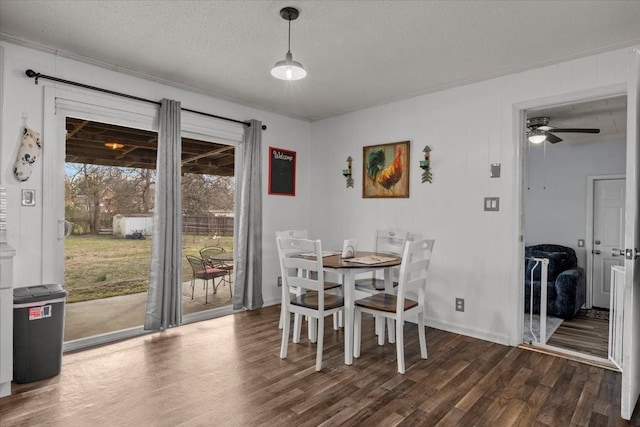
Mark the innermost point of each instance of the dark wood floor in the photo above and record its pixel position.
(583, 334)
(227, 372)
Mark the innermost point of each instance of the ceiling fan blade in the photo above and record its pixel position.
(577, 130)
(552, 138)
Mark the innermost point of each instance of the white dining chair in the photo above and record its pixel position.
(298, 234)
(413, 277)
(297, 322)
(387, 242)
(312, 301)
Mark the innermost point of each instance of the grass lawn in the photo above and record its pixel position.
(105, 266)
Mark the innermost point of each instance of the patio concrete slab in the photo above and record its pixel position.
(96, 317)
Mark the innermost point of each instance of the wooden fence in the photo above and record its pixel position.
(202, 225)
(208, 225)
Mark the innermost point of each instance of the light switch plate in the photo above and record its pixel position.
(492, 204)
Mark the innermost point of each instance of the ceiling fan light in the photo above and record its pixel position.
(537, 136)
(288, 69)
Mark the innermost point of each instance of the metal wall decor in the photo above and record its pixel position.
(425, 165)
(347, 173)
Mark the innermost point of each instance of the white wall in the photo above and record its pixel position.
(555, 198)
(21, 95)
(477, 254)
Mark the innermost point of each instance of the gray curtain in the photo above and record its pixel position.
(247, 292)
(164, 301)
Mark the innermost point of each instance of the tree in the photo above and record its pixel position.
(87, 185)
(95, 189)
(203, 194)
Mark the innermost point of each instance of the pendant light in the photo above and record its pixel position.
(288, 69)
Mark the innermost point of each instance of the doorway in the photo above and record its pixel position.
(110, 177)
(558, 173)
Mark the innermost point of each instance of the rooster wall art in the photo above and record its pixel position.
(386, 170)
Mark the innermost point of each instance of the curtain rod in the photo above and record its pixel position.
(32, 74)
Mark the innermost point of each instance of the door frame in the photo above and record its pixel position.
(519, 113)
(58, 104)
(588, 244)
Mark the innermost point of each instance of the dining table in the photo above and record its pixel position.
(348, 268)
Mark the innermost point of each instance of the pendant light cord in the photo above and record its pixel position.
(289, 46)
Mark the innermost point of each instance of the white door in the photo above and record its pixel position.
(608, 234)
(631, 333)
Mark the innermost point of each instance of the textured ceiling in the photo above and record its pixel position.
(358, 54)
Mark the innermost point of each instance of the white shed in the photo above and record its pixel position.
(124, 225)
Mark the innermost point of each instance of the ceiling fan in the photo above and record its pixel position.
(538, 130)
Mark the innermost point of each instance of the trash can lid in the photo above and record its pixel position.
(38, 293)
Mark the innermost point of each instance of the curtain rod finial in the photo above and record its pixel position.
(31, 73)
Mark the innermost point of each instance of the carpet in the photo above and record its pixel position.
(553, 323)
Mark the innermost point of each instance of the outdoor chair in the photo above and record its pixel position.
(204, 271)
(210, 253)
(213, 255)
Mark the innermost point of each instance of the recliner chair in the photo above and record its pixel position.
(566, 287)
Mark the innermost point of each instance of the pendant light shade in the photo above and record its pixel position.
(288, 69)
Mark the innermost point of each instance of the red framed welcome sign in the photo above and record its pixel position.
(282, 172)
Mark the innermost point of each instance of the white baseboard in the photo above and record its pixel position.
(446, 326)
(467, 331)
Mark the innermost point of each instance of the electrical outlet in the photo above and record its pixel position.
(460, 304)
(279, 281)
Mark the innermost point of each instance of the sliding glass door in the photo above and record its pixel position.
(99, 191)
(208, 206)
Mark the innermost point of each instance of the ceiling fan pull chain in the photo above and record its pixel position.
(544, 165)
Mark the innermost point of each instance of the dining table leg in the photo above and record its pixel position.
(349, 285)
